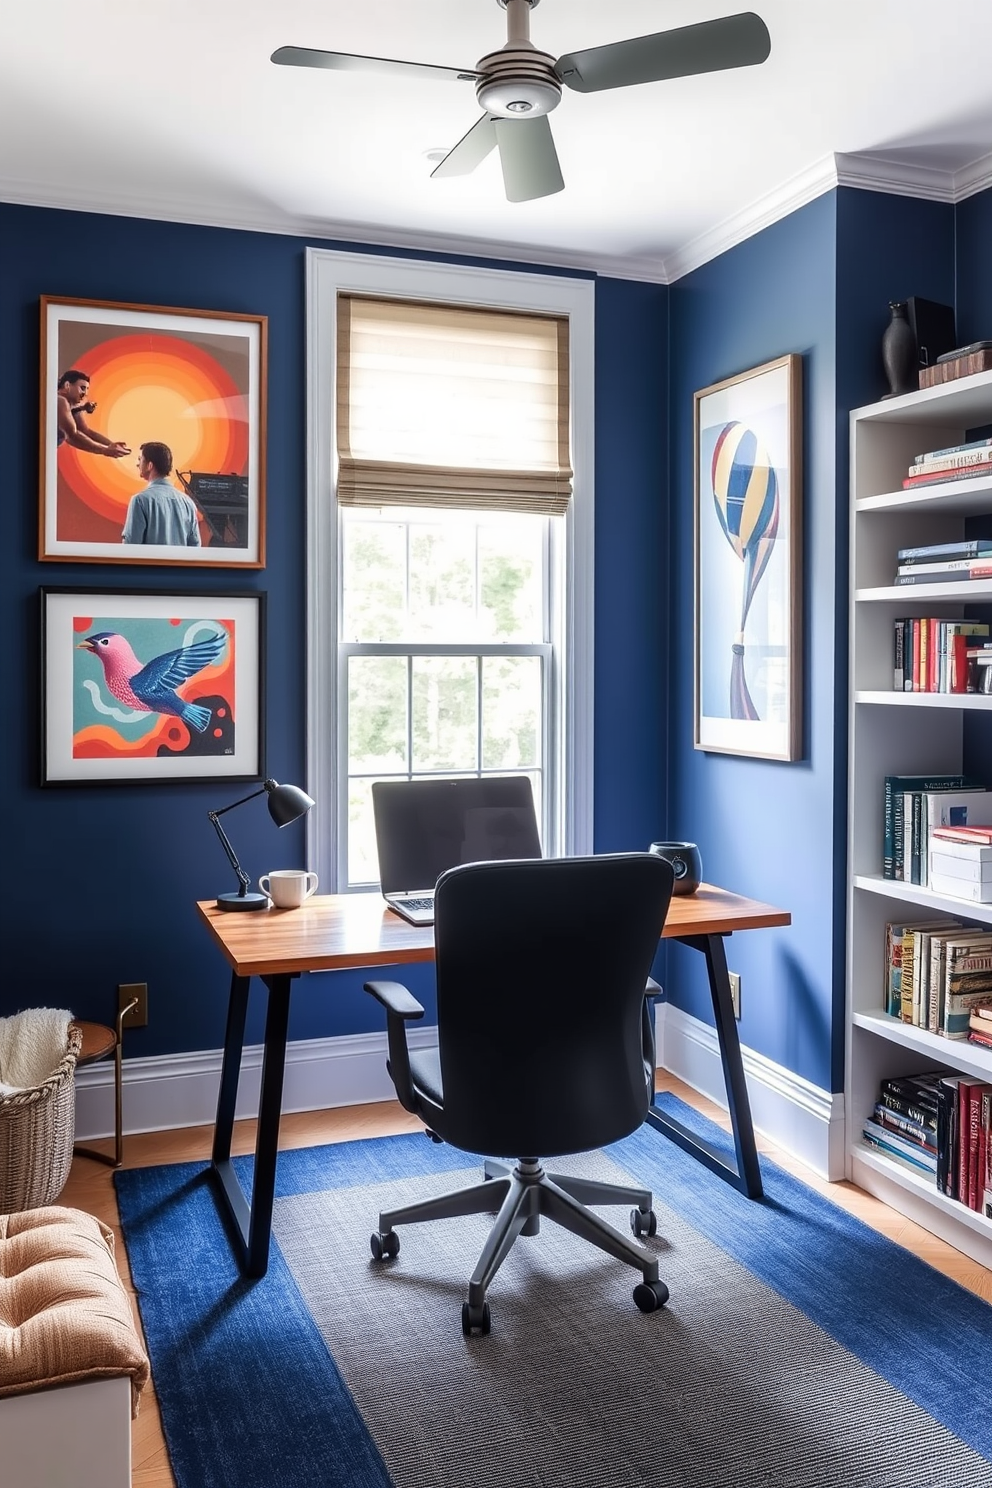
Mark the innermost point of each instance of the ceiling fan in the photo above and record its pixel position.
(518, 86)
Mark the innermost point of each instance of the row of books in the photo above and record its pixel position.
(938, 973)
(913, 807)
(930, 654)
(939, 1124)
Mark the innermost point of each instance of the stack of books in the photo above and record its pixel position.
(914, 805)
(955, 462)
(930, 654)
(980, 1027)
(937, 973)
(939, 1124)
(961, 860)
(966, 559)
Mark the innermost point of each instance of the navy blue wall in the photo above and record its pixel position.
(98, 882)
(765, 829)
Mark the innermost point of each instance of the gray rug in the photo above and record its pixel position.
(729, 1386)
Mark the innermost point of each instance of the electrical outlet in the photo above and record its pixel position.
(735, 992)
(129, 992)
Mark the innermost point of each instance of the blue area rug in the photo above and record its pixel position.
(251, 1393)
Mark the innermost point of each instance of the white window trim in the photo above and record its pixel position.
(329, 273)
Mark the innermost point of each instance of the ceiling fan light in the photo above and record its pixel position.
(504, 97)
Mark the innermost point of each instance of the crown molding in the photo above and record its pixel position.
(973, 178)
(805, 187)
(894, 177)
(240, 218)
(867, 172)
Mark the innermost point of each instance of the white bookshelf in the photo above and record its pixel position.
(886, 739)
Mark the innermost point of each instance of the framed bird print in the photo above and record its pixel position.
(141, 686)
(152, 435)
(748, 562)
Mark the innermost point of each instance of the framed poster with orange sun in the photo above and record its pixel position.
(152, 435)
(147, 685)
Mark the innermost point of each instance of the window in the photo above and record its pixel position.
(448, 633)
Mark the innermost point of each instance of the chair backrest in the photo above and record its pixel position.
(541, 970)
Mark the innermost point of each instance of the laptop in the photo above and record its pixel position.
(423, 827)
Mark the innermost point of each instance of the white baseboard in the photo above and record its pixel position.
(796, 1115)
(176, 1090)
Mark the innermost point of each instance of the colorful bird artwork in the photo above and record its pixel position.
(745, 490)
(152, 687)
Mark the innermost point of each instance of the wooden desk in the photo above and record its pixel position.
(331, 932)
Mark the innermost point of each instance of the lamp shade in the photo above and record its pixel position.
(287, 803)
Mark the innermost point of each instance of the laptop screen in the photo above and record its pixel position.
(423, 827)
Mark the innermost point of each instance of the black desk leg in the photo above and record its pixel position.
(746, 1176)
(234, 1041)
(254, 1221)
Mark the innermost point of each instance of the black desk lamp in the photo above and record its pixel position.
(287, 803)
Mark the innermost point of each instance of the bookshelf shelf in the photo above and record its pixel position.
(907, 893)
(943, 1215)
(964, 497)
(968, 1059)
(977, 702)
(884, 740)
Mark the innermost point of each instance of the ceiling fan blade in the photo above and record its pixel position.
(529, 159)
(710, 46)
(470, 150)
(290, 56)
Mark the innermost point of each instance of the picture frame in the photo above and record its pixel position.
(114, 711)
(747, 444)
(116, 376)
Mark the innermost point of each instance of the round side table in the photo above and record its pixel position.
(98, 1042)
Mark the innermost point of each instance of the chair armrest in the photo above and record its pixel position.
(395, 999)
(401, 1007)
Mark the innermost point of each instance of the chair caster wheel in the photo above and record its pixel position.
(650, 1295)
(643, 1224)
(384, 1246)
(475, 1319)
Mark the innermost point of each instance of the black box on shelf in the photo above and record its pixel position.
(933, 327)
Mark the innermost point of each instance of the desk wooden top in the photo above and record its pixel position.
(333, 931)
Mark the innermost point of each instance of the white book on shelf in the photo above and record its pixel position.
(975, 891)
(975, 870)
(969, 852)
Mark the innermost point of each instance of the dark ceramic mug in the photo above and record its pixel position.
(686, 863)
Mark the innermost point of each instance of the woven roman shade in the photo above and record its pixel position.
(452, 406)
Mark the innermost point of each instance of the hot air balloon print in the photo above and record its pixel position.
(746, 496)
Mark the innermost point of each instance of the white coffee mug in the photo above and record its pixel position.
(288, 887)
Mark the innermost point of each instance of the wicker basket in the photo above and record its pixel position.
(36, 1135)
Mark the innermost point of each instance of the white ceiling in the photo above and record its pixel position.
(172, 109)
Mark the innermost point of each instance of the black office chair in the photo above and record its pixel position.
(545, 1047)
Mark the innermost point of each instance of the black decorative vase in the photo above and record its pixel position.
(899, 356)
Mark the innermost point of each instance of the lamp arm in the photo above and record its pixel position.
(213, 815)
(232, 856)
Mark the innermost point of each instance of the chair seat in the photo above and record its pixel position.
(425, 1069)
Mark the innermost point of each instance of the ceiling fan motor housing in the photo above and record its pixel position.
(517, 82)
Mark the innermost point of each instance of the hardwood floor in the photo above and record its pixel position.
(90, 1187)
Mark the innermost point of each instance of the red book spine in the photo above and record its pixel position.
(963, 1142)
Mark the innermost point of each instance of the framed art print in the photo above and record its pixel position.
(748, 553)
(151, 686)
(152, 435)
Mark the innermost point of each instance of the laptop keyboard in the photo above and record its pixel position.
(425, 903)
